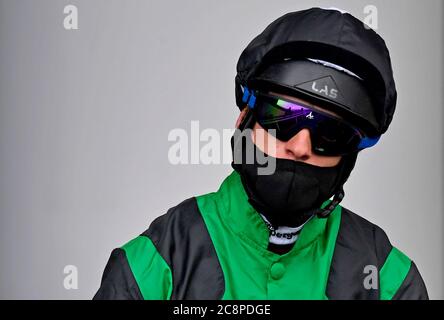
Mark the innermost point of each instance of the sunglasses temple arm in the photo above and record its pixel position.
(368, 142)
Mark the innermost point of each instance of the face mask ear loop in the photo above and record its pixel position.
(324, 213)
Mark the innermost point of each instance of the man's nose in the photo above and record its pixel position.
(299, 146)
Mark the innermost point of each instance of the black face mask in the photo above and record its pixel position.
(293, 192)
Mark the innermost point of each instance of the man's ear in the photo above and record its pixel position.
(241, 116)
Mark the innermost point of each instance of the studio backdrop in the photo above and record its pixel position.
(92, 94)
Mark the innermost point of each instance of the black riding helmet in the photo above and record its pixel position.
(328, 58)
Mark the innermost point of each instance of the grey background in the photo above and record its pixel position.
(85, 116)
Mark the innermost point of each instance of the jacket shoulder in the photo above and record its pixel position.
(135, 271)
(118, 282)
(362, 247)
(364, 236)
(142, 268)
(177, 222)
(182, 239)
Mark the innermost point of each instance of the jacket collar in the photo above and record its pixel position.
(246, 222)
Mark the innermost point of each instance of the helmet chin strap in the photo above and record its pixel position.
(325, 212)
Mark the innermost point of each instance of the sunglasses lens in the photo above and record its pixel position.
(334, 138)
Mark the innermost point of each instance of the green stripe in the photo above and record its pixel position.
(393, 273)
(150, 270)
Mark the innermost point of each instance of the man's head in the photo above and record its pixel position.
(321, 83)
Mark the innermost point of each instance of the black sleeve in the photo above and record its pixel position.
(413, 287)
(118, 282)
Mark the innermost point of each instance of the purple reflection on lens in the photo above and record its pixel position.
(293, 107)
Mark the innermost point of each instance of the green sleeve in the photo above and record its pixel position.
(152, 274)
(399, 278)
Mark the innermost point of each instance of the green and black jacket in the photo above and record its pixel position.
(214, 246)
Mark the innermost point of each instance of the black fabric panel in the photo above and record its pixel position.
(118, 282)
(182, 239)
(359, 243)
(413, 287)
(280, 248)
